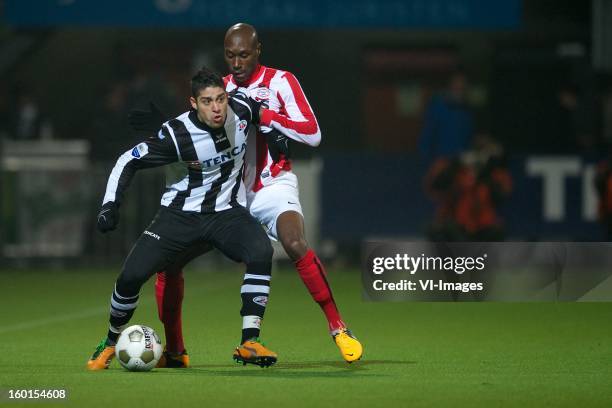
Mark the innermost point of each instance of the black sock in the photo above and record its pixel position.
(250, 333)
(254, 293)
(111, 338)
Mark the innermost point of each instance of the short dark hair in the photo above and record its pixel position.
(205, 78)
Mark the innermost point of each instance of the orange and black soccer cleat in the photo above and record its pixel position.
(101, 358)
(172, 359)
(254, 352)
(350, 348)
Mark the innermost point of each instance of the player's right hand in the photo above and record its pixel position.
(146, 120)
(108, 217)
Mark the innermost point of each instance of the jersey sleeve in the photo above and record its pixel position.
(300, 123)
(154, 152)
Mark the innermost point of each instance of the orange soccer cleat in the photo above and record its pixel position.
(101, 358)
(172, 359)
(254, 352)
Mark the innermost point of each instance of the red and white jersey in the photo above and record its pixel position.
(289, 112)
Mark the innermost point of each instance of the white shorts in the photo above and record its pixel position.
(271, 201)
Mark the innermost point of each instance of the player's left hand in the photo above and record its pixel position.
(278, 145)
(108, 217)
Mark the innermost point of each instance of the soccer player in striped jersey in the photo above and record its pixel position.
(203, 202)
(272, 191)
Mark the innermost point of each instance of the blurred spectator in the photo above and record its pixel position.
(448, 123)
(468, 190)
(5, 115)
(110, 135)
(572, 129)
(603, 186)
(30, 123)
(144, 88)
(607, 116)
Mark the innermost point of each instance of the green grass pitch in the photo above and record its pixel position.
(416, 354)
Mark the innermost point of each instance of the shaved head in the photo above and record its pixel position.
(242, 32)
(242, 50)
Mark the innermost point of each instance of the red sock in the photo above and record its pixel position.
(314, 277)
(169, 294)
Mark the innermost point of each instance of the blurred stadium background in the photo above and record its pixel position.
(528, 83)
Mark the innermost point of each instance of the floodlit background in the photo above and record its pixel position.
(449, 120)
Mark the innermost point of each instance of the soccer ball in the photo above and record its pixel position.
(138, 348)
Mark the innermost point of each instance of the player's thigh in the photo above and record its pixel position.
(160, 244)
(240, 237)
(272, 201)
(189, 254)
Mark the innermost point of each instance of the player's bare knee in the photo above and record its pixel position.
(296, 247)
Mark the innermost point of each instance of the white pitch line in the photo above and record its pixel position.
(63, 318)
(51, 320)
(58, 319)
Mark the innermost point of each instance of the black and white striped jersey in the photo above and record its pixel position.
(206, 164)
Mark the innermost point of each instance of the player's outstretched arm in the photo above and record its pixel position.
(277, 141)
(300, 123)
(154, 152)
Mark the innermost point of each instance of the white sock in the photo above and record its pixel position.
(251, 322)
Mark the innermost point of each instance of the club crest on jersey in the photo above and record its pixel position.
(261, 300)
(140, 150)
(242, 125)
(262, 94)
